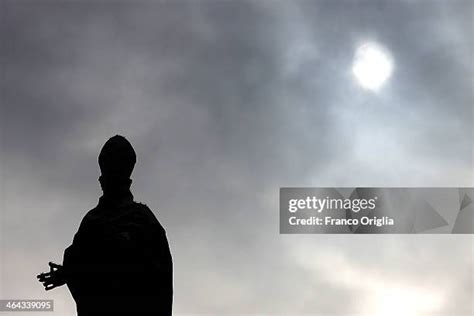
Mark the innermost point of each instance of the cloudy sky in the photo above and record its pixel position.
(225, 102)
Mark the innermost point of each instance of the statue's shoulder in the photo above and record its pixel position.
(90, 215)
(142, 209)
(146, 214)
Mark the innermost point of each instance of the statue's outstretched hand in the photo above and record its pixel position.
(53, 278)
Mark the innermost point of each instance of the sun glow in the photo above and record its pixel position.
(396, 301)
(372, 66)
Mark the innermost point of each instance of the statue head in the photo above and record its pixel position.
(116, 161)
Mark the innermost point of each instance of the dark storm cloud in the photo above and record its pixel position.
(225, 102)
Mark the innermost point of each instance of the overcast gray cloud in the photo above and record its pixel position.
(225, 102)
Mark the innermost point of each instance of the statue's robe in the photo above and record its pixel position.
(119, 262)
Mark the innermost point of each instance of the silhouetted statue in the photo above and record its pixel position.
(119, 262)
